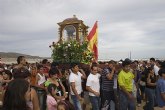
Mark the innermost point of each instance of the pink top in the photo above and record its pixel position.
(30, 104)
(51, 103)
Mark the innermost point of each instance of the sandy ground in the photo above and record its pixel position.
(88, 107)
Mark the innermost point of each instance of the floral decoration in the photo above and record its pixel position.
(71, 51)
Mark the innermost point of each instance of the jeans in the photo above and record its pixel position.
(106, 98)
(125, 103)
(150, 94)
(76, 102)
(138, 96)
(42, 99)
(95, 101)
(116, 92)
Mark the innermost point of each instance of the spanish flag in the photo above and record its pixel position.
(93, 42)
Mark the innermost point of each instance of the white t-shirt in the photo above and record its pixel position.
(115, 81)
(42, 79)
(156, 69)
(94, 83)
(77, 79)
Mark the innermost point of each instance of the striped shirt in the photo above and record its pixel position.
(106, 84)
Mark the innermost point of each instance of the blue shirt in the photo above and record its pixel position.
(160, 89)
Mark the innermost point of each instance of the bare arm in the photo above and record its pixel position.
(151, 84)
(92, 91)
(110, 75)
(83, 74)
(63, 89)
(74, 90)
(37, 79)
(6, 81)
(58, 97)
(149, 81)
(35, 100)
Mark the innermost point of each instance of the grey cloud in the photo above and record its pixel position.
(30, 26)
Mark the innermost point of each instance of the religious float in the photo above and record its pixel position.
(72, 46)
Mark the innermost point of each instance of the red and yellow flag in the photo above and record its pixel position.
(93, 42)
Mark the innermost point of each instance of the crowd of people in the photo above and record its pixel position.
(112, 85)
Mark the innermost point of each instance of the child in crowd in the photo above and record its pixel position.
(51, 101)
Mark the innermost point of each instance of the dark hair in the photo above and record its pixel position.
(126, 62)
(14, 97)
(136, 61)
(161, 71)
(93, 66)
(152, 59)
(19, 59)
(149, 69)
(53, 71)
(72, 65)
(39, 66)
(21, 73)
(8, 73)
(54, 64)
(49, 88)
(94, 63)
(44, 61)
(162, 64)
(111, 62)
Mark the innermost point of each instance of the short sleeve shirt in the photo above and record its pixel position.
(106, 84)
(125, 80)
(160, 89)
(93, 81)
(51, 103)
(76, 78)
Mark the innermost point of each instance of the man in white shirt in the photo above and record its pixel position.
(93, 86)
(75, 85)
(156, 68)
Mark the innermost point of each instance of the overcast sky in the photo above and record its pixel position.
(124, 26)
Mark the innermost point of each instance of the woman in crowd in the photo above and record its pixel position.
(33, 71)
(150, 89)
(16, 95)
(51, 101)
(7, 77)
(53, 78)
(32, 100)
(40, 79)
